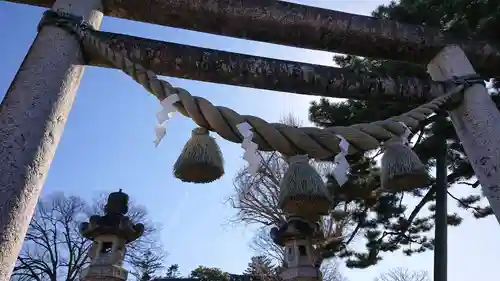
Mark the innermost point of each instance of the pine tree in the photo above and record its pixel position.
(383, 221)
(147, 265)
(173, 271)
(209, 274)
(261, 268)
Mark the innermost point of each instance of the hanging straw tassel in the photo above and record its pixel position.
(201, 159)
(401, 167)
(303, 191)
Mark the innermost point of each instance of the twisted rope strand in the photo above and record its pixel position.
(288, 140)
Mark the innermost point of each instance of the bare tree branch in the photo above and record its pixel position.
(331, 272)
(264, 245)
(403, 274)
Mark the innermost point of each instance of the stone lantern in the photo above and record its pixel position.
(304, 198)
(297, 236)
(110, 234)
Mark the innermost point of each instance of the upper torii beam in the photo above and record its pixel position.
(303, 26)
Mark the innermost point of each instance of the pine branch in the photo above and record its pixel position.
(477, 211)
(402, 232)
(474, 185)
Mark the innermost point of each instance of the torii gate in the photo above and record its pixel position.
(35, 109)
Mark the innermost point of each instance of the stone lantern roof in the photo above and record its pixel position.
(114, 221)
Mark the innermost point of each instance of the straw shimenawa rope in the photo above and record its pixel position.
(288, 140)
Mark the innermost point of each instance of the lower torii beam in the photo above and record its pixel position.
(32, 118)
(476, 122)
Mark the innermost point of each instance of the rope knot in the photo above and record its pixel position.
(199, 131)
(300, 158)
(395, 140)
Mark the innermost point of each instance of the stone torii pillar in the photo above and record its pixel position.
(476, 121)
(32, 118)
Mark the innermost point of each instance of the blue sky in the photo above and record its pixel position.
(107, 145)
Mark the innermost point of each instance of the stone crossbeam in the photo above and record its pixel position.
(189, 62)
(302, 26)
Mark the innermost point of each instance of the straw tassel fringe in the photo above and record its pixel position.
(201, 159)
(401, 168)
(302, 190)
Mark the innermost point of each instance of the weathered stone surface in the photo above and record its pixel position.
(104, 272)
(210, 65)
(302, 26)
(476, 123)
(32, 118)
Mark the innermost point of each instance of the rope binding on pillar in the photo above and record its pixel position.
(66, 21)
(393, 133)
(465, 81)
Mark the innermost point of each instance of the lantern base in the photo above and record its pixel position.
(104, 273)
(301, 273)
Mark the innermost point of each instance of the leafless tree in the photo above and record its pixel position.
(53, 249)
(331, 271)
(264, 245)
(256, 201)
(404, 274)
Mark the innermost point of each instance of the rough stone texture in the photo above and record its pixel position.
(32, 118)
(210, 65)
(104, 273)
(476, 122)
(303, 26)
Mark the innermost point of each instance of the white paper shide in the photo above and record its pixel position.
(341, 164)
(250, 154)
(163, 116)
